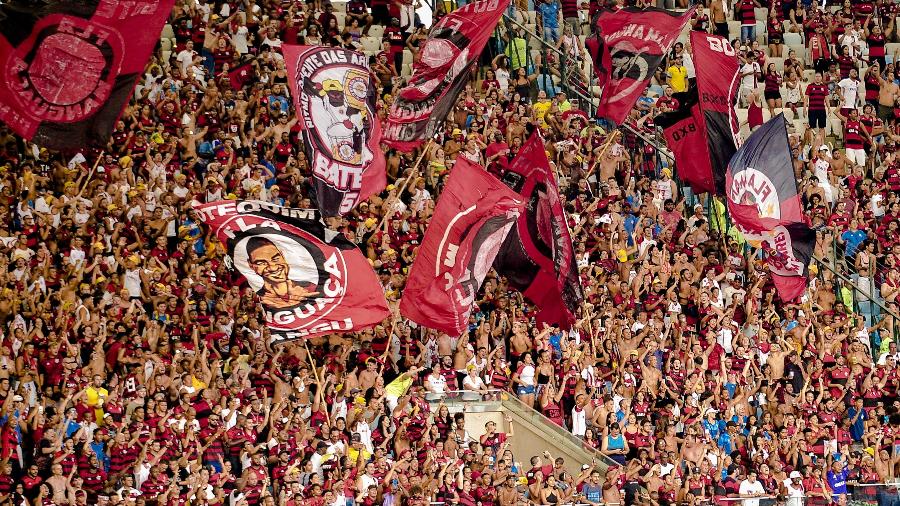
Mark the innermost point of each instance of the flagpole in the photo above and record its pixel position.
(91, 173)
(319, 393)
(603, 151)
(414, 171)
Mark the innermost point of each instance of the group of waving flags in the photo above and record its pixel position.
(756, 179)
(70, 72)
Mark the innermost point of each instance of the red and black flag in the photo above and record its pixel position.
(788, 251)
(471, 220)
(764, 204)
(448, 57)
(67, 69)
(760, 185)
(717, 85)
(701, 132)
(629, 45)
(310, 280)
(685, 133)
(241, 75)
(538, 258)
(335, 94)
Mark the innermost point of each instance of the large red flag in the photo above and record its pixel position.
(629, 46)
(334, 94)
(538, 258)
(717, 84)
(68, 68)
(471, 220)
(310, 280)
(448, 57)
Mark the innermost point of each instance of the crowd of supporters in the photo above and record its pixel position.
(135, 366)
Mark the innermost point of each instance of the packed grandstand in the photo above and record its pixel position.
(149, 351)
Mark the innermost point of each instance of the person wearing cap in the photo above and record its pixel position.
(795, 490)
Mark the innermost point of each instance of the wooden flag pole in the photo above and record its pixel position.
(319, 391)
(91, 173)
(413, 172)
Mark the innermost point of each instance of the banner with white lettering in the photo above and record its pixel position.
(471, 220)
(67, 69)
(448, 57)
(310, 280)
(335, 94)
(629, 45)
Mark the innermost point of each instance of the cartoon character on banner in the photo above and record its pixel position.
(340, 113)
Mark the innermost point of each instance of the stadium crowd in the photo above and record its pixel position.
(135, 367)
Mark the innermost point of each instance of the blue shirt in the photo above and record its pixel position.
(724, 442)
(853, 238)
(837, 481)
(550, 14)
(592, 492)
(858, 427)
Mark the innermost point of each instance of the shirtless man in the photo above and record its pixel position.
(720, 23)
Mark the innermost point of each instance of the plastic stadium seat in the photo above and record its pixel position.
(794, 39)
(407, 57)
(779, 64)
(761, 14)
(370, 44)
(166, 44)
(166, 55)
(890, 48)
(340, 18)
(376, 31)
(339, 6)
(167, 32)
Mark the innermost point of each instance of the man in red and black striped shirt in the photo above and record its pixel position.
(855, 137)
(816, 103)
(570, 15)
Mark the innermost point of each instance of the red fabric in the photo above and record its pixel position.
(470, 223)
(68, 77)
(538, 258)
(341, 130)
(448, 56)
(333, 286)
(629, 35)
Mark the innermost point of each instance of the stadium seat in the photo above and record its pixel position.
(166, 44)
(794, 39)
(376, 31)
(167, 32)
(407, 57)
(370, 44)
(339, 7)
(340, 18)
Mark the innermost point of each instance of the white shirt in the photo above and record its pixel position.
(849, 92)
(579, 424)
(751, 488)
(749, 81)
(436, 383)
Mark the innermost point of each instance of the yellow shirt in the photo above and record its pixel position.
(677, 78)
(540, 110)
(399, 386)
(93, 400)
(353, 454)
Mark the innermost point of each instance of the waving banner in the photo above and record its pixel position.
(68, 68)
(762, 196)
(471, 220)
(759, 184)
(448, 57)
(310, 280)
(788, 250)
(685, 133)
(538, 258)
(334, 94)
(717, 85)
(629, 46)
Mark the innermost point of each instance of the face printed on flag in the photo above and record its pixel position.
(309, 280)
